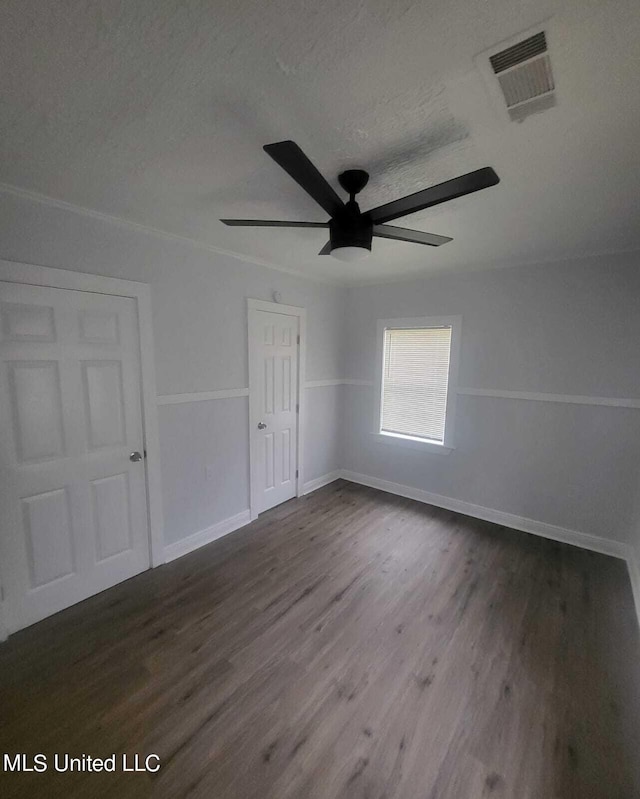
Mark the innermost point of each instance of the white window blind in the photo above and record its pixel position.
(414, 382)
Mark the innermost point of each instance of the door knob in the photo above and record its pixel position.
(135, 457)
(261, 425)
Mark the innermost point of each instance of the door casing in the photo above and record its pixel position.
(30, 274)
(301, 313)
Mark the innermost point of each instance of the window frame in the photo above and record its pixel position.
(412, 323)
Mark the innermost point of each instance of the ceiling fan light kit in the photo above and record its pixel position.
(350, 230)
(350, 254)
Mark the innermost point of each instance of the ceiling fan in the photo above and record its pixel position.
(350, 229)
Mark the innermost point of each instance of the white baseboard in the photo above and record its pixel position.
(616, 549)
(4, 633)
(319, 482)
(206, 536)
(633, 562)
(226, 526)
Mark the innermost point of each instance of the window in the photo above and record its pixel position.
(416, 391)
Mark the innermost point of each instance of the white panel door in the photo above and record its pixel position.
(73, 507)
(273, 348)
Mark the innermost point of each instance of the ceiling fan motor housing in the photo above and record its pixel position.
(349, 230)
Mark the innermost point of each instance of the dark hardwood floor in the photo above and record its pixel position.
(348, 644)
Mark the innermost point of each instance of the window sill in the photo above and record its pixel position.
(412, 443)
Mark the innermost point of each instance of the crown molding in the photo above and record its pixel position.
(52, 202)
(459, 269)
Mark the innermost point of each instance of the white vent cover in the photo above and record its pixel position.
(525, 77)
(517, 72)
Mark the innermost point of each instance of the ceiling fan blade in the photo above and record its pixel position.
(270, 223)
(442, 193)
(414, 236)
(290, 157)
(326, 250)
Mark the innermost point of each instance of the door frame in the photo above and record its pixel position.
(301, 313)
(50, 277)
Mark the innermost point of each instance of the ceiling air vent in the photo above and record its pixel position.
(525, 77)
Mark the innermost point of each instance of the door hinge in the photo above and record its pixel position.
(2, 593)
(297, 473)
(298, 338)
(297, 408)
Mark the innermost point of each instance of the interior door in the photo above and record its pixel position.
(73, 507)
(273, 388)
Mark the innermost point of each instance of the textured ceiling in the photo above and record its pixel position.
(155, 111)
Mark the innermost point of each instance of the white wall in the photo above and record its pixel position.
(571, 329)
(199, 316)
(563, 328)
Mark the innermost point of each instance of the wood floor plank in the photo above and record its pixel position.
(346, 644)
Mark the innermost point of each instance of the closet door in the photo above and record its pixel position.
(73, 507)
